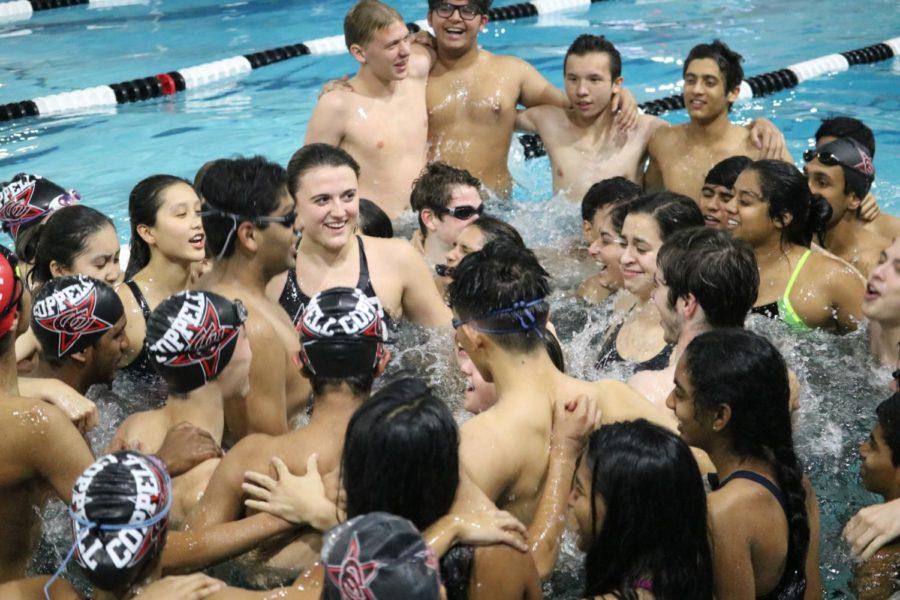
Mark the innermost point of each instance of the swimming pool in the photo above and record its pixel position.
(104, 154)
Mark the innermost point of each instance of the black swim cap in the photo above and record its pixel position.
(854, 160)
(341, 334)
(27, 199)
(71, 313)
(120, 516)
(191, 337)
(379, 556)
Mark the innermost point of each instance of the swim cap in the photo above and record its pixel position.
(379, 556)
(71, 313)
(27, 199)
(191, 337)
(120, 516)
(10, 289)
(341, 334)
(859, 172)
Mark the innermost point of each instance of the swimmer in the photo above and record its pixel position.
(472, 239)
(373, 221)
(639, 338)
(773, 210)
(842, 172)
(324, 180)
(605, 245)
(167, 241)
(705, 280)
(718, 190)
(446, 200)
(197, 342)
(731, 400)
(473, 94)
(876, 578)
(379, 116)
(680, 156)
(881, 306)
(343, 352)
(661, 552)
(250, 223)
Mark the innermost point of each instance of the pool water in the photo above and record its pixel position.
(103, 154)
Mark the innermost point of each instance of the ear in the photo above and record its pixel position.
(588, 231)
(853, 202)
(57, 270)
(733, 95)
(722, 417)
(428, 19)
(785, 220)
(691, 306)
(84, 356)
(246, 236)
(382, 363)
(617, 84)
(358, 53)
(146, 234)
(428, 218)
(484, 22)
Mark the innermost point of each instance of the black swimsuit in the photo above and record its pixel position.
(294, 300)
(770, 310)
(610, 354)
(141, 363)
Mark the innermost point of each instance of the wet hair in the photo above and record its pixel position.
(671, 212)
(401, 454)
(786, 190)
(494, 229)
(888, 414)
(63, 237)
(144, 202)
(619, 213)
(726, 172)
(847, 127)
(249, 187)
(498, 278)
(719, 270)
(728, 60)
(432, 189)
(312, 156)
(365, 19)
(484, 5)
(641, 464)
(587, 43)
(612, 191)
(555, 351)
(745, 371)
(373, 221)
(201, 173)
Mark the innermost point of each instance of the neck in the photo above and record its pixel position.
(713, 131)
(135, 591)
(315, 253)
(435, 250)
(601, 123)
(727, 462)
(371, 85)
(451, 59)
(336, 405)
(9, 378)
(513, 372)
(844, 234)
(770, 253)
(69, 373)
(689, 331)
(240, 270)
(884, 339)
(166, 276)
(894, 492)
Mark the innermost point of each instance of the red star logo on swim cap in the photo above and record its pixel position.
(352, 577)
(17, 208)
(206, 344)
(865, 165)
(75, 321)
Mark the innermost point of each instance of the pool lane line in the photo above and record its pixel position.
(22, 10)
(761, 85)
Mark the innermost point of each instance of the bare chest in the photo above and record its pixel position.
(476, 96)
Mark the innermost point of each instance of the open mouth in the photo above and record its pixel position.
(337, 226)
(198, 240)
(871, 293)
(470, 385)
(584, 105)
(454, 32)
(732, 223)
(697, 104)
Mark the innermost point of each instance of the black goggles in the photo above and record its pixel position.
(462, 212)
(826, 158)
(467, 12)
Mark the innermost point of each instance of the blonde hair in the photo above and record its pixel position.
(365, 18)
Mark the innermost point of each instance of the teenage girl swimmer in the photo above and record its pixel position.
(639, 338)
(167, 244)
(731, 400)
(773, 210)
(663, 550)
(472, 239)
(881, 305)
(323, 181)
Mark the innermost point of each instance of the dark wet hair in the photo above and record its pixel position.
(249, 187)
(401, 454)
(494, 229)
(719, 270)
(612, 191)
(432, 189)
(726, 172)
(619, 213)
(201, 173)
(484, 5)
(63, 237)
(312, 156)
(745, 371)
(641, 464)
(671, 212)
(143, 203)
(847, 127)
(786, 190)
(728, 60)
(373, 221)
(499, 277)
(587, 43)
(888, 413)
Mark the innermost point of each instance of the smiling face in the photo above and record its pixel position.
(589, 84)
(327, 205)
(705, 96)
(882, 299)
(99, 258)
(178, 232)
(607, 250)
(455, 34)
(669, 317)
(470, 240)
(387, 53)
(693, 427)
(446, 227)
(713, 201)
(278, 241)
(479, 394)
(749, 211)
(638, 261)
(580, 505)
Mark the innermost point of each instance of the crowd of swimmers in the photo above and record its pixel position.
(258, 293)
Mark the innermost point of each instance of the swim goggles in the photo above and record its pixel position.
(521, 311)
(467, 12)
(209, 210)
(461, 212)
(826, 158)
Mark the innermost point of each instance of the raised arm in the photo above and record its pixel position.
(525, 120)
(421, 301)
(535, 90)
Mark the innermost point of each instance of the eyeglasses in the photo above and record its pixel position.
(462, 212)
(467, 12)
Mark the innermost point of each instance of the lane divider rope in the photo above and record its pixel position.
(22, 10)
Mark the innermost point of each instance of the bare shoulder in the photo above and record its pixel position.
(832, 271)
(502, 572)
(250, 450)
(337, 102)
(421, 60)
(663, 136)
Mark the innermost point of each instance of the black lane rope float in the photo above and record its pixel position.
(21, 10)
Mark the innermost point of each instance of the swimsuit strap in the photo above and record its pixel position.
(139, 296)
(763, 481)
(788, 314)
(364, 283)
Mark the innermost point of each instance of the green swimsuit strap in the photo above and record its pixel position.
(785, 308)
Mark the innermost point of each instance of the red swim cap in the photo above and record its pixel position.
(10, 289)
